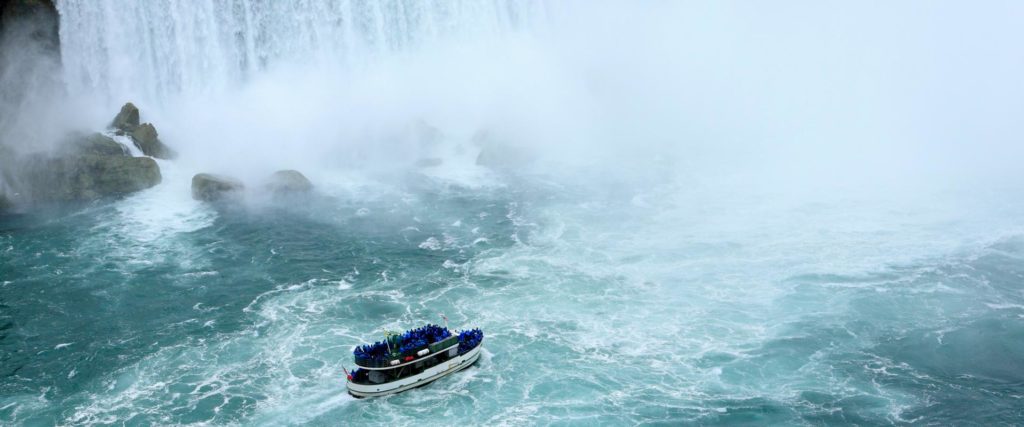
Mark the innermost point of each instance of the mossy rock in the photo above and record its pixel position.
(211, 188)
(146, 138)
(289, 182)
(88, 177)
(95, 144)
(127, 119)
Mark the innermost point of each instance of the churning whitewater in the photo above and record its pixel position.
(660, 214)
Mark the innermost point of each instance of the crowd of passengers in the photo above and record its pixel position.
(405, 344)
(468, 340)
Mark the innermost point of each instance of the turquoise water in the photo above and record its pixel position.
(666, 306)
(686, 214)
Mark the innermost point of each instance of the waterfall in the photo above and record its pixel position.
(124, 49)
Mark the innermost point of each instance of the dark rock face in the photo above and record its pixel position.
(30, 72)
(289, 181)
(147, 140)
(128, 119)
(39, 15)
(212, 188)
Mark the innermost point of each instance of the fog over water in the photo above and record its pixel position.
(795, 90)
(659, 212)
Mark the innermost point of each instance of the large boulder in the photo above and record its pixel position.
(128, 119)
(289, 182)
(429, 162)
(146, 138)
(83, 168)
(94, 144)
(210, 188)
(87, 177)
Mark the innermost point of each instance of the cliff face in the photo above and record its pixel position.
(29, 84)
(39, 19)
(29, 54)
(30, 72)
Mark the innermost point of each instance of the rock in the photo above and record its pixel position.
(498, 154)
(87, 177)
(427, 135)
(95, 144)
(84, 168)
(145, 137)
(211, 188)
(430, 162)
(5, 203)
(128, 119)
(289, 181)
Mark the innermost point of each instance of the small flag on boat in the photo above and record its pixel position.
(445, 320)
(347, 374)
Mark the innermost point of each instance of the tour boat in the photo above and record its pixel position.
(412, 359)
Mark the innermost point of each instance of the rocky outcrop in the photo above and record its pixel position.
(95, 144)
(212, 188)
(84, 168)
(127, 119)
(144, 135)
(87, 177)
(289, 182)
(146, 138)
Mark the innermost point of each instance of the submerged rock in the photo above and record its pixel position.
(211, 188)
(289, 181)
(146, 138)
(128, 119)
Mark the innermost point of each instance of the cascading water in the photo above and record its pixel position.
(723, 213)
(157, 49)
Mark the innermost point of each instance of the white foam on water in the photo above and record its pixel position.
(146, 226)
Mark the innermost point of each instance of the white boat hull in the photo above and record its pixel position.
(450, 366)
